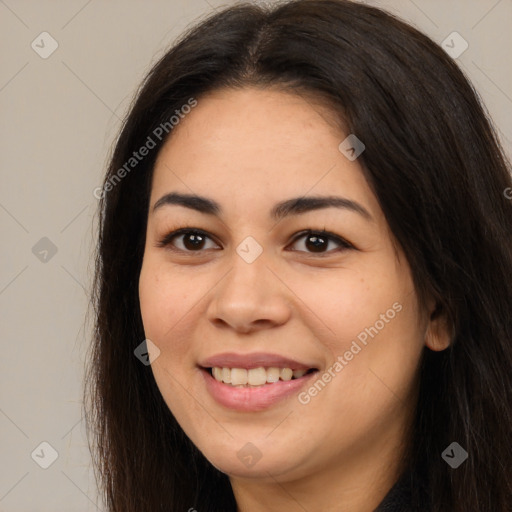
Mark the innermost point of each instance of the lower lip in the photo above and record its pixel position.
(253, 399)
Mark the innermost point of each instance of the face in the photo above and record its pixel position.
(255, 290)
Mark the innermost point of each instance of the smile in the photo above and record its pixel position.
(255, 389)
(255, 377)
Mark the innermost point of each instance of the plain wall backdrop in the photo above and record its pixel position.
(60, 114)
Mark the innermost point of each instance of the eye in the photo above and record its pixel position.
(193, 240)
(318, 241)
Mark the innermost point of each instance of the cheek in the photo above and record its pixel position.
(150, 299)
(397, 348)
(162, 299)
(373, 323)
(376, 378)
(344, 307)
(382, 356)
(169, 306)
(164, 305)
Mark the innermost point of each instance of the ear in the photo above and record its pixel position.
(440, 333)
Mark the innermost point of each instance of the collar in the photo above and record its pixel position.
(399, 498)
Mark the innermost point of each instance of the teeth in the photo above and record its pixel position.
(238, 376)
(257, 376)
(286, 374)
(298, 373)
(226, 375)
(273, 374)
(241, 377)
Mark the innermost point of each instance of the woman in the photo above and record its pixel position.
(302, 288)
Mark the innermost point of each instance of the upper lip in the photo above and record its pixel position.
(253, 360)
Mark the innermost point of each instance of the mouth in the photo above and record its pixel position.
(254, 389)
(256, 377)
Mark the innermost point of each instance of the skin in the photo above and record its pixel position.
(248, 149)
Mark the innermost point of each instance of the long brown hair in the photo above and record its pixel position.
(436, 167)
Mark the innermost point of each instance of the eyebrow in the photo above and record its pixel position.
(294, 206)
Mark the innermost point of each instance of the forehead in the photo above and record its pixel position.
(264, 145)
(256, 121)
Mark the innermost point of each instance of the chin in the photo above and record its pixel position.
(248, 461)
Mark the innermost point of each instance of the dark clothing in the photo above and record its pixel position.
(399, 498)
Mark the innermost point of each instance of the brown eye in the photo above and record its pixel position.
(318, 242)
(188, 240)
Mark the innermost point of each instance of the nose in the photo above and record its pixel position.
(250, 297)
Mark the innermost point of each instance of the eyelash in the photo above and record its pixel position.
(166, 241)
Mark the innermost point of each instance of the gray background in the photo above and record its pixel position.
(59, 118)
